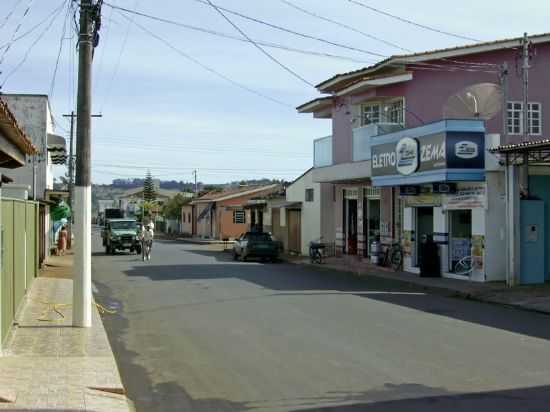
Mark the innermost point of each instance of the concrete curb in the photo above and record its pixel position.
(430, 288)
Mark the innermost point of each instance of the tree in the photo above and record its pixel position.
(145, 210)
(149, 192)
(172, 208)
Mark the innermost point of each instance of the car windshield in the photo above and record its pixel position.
(259, 237)
(123, 225)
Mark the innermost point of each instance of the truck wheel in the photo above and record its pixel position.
(107, 250)
(138, 250)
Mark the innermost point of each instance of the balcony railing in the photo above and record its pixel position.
(322, 152)
(362, 138)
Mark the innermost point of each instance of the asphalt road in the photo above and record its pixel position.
(196, 331)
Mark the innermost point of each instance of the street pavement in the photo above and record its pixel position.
(196, 331)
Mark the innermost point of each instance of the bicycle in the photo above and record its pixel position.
(393, 256)
(316, 251)
(464, 266)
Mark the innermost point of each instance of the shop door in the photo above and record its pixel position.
(294, 231)
(351, 227)
(424, 227)
(460, 236)
(374, 220)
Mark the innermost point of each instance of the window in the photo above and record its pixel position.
(189, 217)
(394, 112)
(239, 217)
(310, 195)
(515, 118)
(389, 112)
(183, 218)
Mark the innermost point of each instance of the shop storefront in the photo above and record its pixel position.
(440, 172)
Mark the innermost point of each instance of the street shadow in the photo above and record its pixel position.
(533, 399)
(146, 395)
(295, 279)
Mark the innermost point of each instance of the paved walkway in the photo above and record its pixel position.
(49, 365)
(535, 298)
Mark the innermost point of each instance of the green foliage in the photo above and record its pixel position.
(172, 208)
(145, 210)
(149, 193)
(60, 211)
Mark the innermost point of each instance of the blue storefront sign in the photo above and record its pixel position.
(445, 151)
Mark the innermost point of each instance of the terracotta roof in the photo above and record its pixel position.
(233, 192)
(429, 55)
(13, 132)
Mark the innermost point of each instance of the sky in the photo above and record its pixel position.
(164, 112)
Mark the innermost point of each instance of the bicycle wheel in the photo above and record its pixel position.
(396, 258)
(464, 266)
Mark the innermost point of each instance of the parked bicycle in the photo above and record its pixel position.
(393, 256)
(316, 251)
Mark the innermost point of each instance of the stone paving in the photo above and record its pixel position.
(48, 365)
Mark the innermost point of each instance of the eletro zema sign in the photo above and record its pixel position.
(406, 156)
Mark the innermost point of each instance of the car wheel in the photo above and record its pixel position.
(235, 256)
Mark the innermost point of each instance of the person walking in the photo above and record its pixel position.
(147, 238)
(62, 240)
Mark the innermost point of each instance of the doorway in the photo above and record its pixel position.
(371, 225)
(350, 223)
(424, 227)
(460, 236)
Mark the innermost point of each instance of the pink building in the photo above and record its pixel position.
(410, 93)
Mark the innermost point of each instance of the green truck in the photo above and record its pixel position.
(121, 234)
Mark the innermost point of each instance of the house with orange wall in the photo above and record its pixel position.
(222, 214)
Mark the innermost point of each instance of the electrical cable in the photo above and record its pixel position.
(237, 38)
(260, 48)
(158, 167)
(345, 26)
(102, 56)
(6, 19)
(60, 50)
(14, 34)
(40, 36)
(404, 20)
(117, 64)
(207, 68)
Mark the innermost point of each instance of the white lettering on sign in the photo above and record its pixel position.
(383, 160)
(432, 152)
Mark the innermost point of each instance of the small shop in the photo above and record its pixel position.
(440, 172)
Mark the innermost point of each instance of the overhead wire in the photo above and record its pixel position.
(160, 167)
(102, 56)
(14, 34)
(237, 38)
(110, 84)
(60, 50)
(208, 68)
(31, 47)
(10, 13)
(260, 48)
(420, 25)
(343, 25)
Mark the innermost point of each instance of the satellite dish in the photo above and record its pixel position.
(479, 101)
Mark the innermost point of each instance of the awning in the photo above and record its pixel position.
(206, 211)
(57, 148)
(536, 151)
(287, 205)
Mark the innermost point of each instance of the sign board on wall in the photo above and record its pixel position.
(467, 196)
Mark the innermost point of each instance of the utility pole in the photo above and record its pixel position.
(82, 285)
(526, 43)
(504, 86)
(72, 115)
(196, 188)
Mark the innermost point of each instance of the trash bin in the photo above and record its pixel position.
(429, 258)
(374, 252)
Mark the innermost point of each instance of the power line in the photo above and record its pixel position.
(40, 36)
(273, 26)
(155, 167)
(102, 57)
(260, 48)
(345, 26)
(12, 39)
(119, 58)
(237, 38)
(61, 41)
(404, 20)
(6, 19)
(207, 68)
(36, 26)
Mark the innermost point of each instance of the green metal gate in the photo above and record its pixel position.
(19, 260)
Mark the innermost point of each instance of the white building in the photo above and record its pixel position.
(33, 113)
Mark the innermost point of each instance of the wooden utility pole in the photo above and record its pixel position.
(525, 71)
(82, 285)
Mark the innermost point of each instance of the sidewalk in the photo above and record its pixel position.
(50, 366)
(533, 298)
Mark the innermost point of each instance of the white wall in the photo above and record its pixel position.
(495, 233)
(311, 211)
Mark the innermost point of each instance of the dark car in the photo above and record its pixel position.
(256, 245)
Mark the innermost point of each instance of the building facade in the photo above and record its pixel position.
(399, 96)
